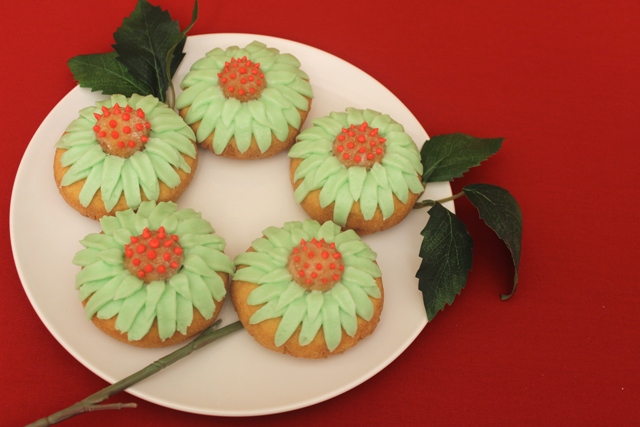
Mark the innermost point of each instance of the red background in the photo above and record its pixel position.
(558, 80)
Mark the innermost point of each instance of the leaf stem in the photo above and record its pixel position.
(92, 403)
(172, 101)
(426, 203)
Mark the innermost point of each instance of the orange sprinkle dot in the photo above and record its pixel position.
(173, 264)
(162, 269)
(131, 144)
(177, 250)
(113, 123)
(166, 256)
(126, 129)
(136, 261)
(114, 134)
(151, 254)
(126, 116)
(141, 248)
(148, 268)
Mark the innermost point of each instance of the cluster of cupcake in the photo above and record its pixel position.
(156, 275)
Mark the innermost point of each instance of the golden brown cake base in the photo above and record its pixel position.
(355, 220)
(152, 339)
(253, 152)
(264, 332)
(96, 209)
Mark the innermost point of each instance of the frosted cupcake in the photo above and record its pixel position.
(154, 277)
(308, 290)
(245, 103)
(358, 169)
(121, 152)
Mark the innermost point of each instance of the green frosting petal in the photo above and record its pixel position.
(166, 309)
(291, 319)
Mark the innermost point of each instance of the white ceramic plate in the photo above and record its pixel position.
(234, 376)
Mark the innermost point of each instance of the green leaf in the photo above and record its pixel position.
(501, 212)
(146, 43)
(446, 253)
(445, 157)
(177, 54)
(103, 72)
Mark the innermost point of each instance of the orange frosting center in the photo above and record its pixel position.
(359, 146)
(316, 265)
(241, 79)
(154, 255)
(121, 131)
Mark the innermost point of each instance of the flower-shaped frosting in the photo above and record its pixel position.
(111, 288)
(244, 93)
(122, 145)
(302, 298)
(357, 156)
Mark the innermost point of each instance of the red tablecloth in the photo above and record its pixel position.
(558, 80)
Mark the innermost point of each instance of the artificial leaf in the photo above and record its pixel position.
(445, 157)
(501, 212)
(177, 54)
(446, 253)
(145, 44)
(103, 72)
